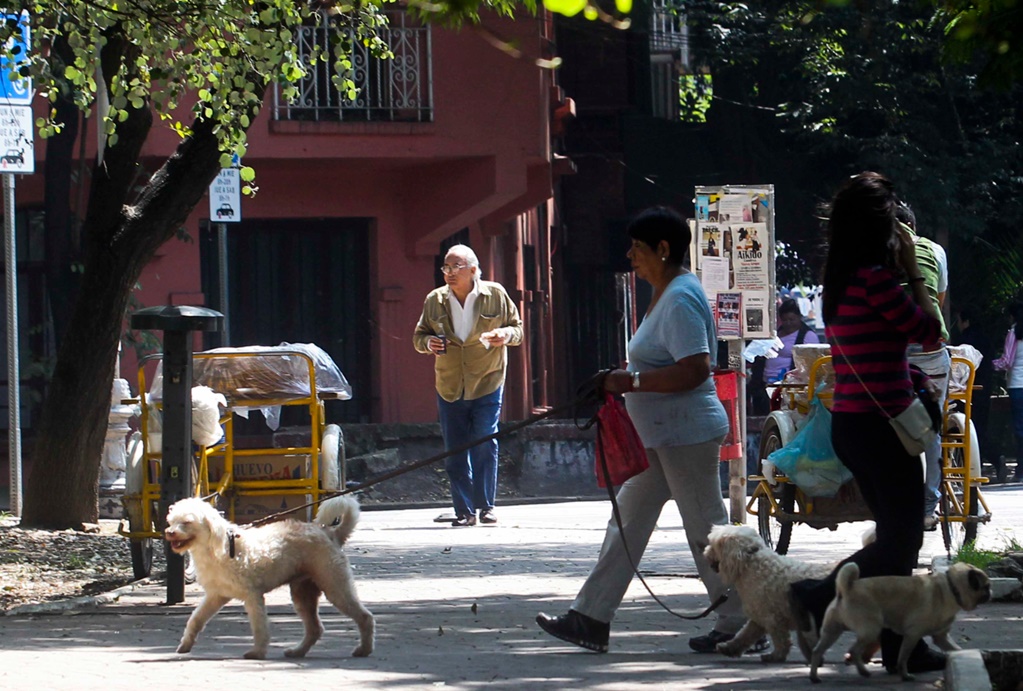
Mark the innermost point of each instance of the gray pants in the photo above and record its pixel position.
(689, 475)
(935, 364)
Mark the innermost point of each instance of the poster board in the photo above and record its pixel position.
(733, 255)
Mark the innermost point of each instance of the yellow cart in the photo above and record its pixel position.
(778, 504)
(246, 483)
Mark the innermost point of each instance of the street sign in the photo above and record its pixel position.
(16, 89)
(17, 154)
(226, 196)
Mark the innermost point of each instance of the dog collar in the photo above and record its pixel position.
(232, 535)
(955, 591)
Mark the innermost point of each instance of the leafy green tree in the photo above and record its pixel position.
(867, 85)
(987, 32)
(202, 69)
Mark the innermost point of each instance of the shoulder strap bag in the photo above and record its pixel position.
(913, 425)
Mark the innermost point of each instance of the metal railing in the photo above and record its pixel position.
(398, 89)
(668, 30)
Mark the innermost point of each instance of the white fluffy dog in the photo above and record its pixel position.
(762, 578)
(233, 562)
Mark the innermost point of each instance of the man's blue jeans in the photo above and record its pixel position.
(473, 473)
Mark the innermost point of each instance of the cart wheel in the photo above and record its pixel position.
(142, 557)
(776, 534)
(189, 568)
(956, 533)
(332, 458)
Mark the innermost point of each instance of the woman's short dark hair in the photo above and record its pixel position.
(861, 232)
(662, 223)
(789, 306)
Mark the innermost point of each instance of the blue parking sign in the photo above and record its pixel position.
(15, 89)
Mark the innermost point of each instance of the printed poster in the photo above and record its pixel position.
(735, 208)
(715, 274)
(756, 319)
(728, 314)
(750, 257)
(710, 240)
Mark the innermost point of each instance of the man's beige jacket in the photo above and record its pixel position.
(469, 369)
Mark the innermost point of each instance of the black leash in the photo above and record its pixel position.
(632, 562)
(598, 383)
(580, 400)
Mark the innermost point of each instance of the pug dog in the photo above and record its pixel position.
(911, 606)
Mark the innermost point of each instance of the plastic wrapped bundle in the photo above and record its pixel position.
(261, 373)
(809, 460)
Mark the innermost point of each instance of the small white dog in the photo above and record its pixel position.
(233, 562)
(911, 606)
(762, 578)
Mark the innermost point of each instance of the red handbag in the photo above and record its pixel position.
(620, 452)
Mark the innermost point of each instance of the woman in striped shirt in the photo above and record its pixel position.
(870, 319)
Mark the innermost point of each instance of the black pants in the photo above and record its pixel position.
(891, 482)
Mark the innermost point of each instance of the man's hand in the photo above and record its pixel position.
(934, 390)
(437, 346)
(490, 339)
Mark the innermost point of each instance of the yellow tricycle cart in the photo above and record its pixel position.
(246, 483)
(778, 504)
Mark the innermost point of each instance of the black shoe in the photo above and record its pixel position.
(487, 516)
(464, 521)
(921, 661)
(578, 629)
(708, 642)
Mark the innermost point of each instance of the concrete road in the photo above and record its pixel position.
(455, 609)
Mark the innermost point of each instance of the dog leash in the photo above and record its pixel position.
(632, 562)
(587, 397)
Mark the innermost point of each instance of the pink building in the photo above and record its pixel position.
(450, 141)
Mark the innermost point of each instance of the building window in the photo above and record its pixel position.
(398, 89)
(669, 57)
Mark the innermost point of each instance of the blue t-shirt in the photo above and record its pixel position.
(680, 325)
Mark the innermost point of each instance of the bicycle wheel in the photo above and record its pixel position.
(953, 497)
(776, 534)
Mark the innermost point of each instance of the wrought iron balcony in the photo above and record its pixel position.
(398, 89)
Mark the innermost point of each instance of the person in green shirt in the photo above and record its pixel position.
(932, 358)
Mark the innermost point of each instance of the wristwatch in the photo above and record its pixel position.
(635, 381)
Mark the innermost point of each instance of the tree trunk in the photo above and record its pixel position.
(63, 490)
(61, 249)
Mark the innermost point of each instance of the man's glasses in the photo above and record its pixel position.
(448, 269)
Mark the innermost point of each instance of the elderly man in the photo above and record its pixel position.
(467, 325)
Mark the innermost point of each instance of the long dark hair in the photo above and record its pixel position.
(861, 232)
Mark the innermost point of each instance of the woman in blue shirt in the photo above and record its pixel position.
(671, 399)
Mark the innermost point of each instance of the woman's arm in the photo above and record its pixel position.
(684, 375)
(1008, 352)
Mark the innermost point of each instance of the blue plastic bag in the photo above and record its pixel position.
(809, 460)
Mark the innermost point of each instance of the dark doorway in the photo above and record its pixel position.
(299, 281)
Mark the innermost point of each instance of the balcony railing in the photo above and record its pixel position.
(398, 89)
(668, 30)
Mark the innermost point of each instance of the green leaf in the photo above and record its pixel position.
(247, 174)
(569, 8)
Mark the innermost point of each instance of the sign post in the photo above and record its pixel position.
(225, 207)
(17, 155)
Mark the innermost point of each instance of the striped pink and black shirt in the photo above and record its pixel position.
(875, 321)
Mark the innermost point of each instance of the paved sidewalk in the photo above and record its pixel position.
(455, 609)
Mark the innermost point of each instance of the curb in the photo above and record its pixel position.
(401, 506)
(965, 671)
(76, 605)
